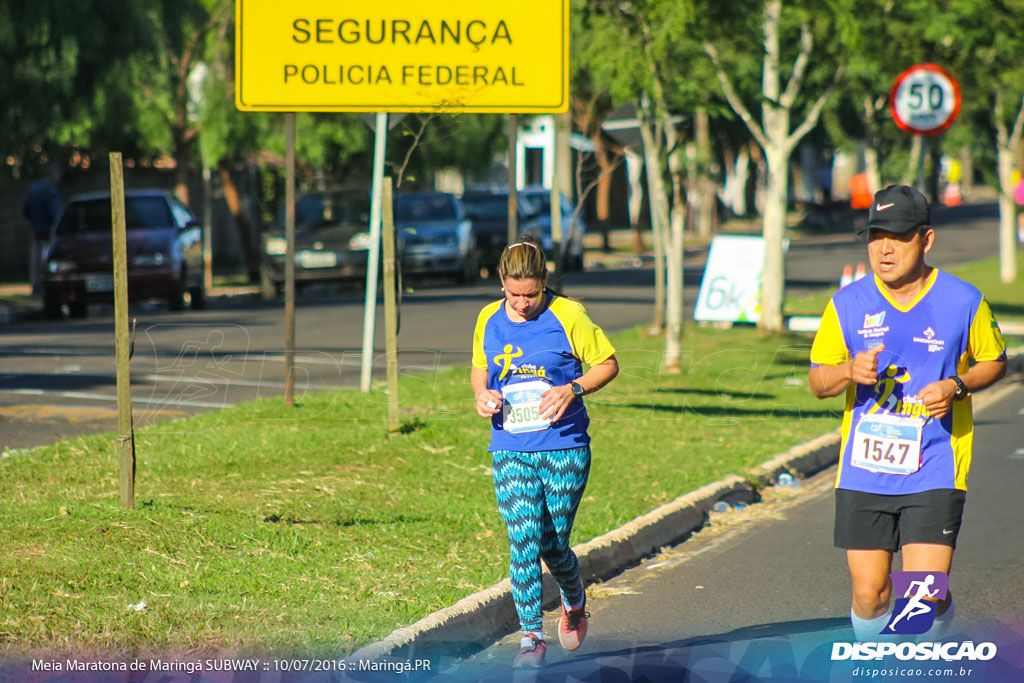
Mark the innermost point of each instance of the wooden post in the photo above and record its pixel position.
(559, 177)
(207, 229)
(390, 312)
(124, 447)
(289, 261)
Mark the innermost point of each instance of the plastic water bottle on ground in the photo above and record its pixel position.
(788, 481)
(720, 506)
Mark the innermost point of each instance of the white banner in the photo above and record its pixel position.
(731, 288)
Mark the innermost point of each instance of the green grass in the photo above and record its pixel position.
(264, 529)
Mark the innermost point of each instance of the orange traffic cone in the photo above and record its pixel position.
(860, 272)
(951, 196)
(847, 276)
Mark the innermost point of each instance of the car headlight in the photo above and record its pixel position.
(56, 266)
(360, 240)
(277, 246)
(158, 258)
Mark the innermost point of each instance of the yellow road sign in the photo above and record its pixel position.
(402, 55)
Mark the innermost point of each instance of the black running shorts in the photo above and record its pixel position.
(871, 521)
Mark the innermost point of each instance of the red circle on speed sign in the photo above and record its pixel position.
(924, 99)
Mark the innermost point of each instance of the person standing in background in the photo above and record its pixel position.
(42, 206)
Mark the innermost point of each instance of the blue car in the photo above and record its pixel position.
(437, 236)
(572, 239)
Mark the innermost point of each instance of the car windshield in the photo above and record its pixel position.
(424, 208)
(489, 206)
(542, 202)
(93, 215)
(320, 210)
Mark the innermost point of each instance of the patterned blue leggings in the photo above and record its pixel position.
(538, 494)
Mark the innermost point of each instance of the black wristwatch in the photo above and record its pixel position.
(961, 388)
(577, 390)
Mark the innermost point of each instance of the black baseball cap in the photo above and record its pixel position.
(896, 209)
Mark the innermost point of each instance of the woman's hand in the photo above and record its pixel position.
(555, 401)
(488, 402)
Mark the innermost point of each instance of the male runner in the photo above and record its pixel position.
(908, 346)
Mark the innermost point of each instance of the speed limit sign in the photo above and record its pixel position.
(924, 100)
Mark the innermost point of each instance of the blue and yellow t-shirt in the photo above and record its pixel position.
(945, 327)
(552, 348)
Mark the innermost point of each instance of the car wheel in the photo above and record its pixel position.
(176, 299)
(52, 310)
(576, 263)
(198, 295)
(78, 309)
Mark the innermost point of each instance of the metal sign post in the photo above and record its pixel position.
(380, 136)
(289, 261)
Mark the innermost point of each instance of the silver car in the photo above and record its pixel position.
(436, 235)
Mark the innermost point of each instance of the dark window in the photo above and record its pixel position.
(490, 206)
(94, 215)
(424, 208)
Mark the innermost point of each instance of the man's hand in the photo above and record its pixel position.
(864, 367)
(937, 397)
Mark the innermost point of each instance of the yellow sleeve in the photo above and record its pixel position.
(985, 340)
(829, 347)
(479, 357)
(588, 341)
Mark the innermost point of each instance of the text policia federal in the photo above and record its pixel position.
(354, 33)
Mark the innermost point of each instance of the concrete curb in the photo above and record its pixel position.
(486, 616)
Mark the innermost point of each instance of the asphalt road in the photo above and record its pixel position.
(761, 594)
(57, 377)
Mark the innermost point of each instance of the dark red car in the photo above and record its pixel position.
(164, 243)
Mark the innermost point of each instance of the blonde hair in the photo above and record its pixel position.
(524, 259)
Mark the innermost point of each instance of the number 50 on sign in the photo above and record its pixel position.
(924, 100)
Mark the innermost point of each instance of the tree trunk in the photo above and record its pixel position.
(871, 165)
(775, 120)
(674, 274)
(658, 199)
(774, 231)
(914, 167)
(234, 203)
(1007, 217)
(737, 174)
(706, 183)
(760, 187)
(1007, 143)
(604, 189)
(871, 169)
(966, 172)
(635, 171)
(674, 300)
(693, 196)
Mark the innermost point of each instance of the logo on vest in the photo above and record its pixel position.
(934, 344)
(874, 325)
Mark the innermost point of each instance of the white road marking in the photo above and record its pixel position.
(81, 395)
